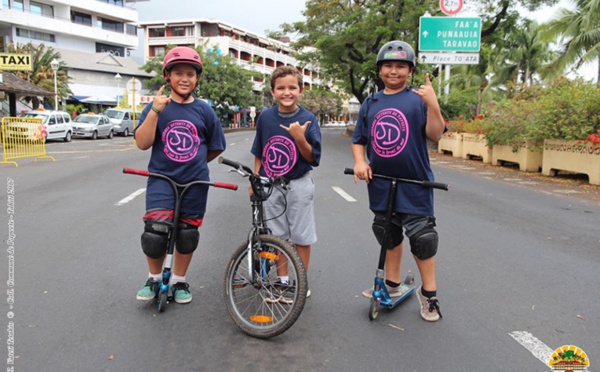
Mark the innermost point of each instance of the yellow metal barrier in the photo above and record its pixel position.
(23, 138)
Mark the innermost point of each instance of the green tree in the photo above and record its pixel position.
(578, 32)
(42, 74)
(345, 35)
(323, 103)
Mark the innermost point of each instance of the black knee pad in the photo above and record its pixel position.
(188, 237)
(395, 236)
(155, 239)
(424, 243)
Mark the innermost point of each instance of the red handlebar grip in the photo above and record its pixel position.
(139, 172)
(230, 186)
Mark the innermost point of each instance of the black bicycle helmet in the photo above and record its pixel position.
(396, 50)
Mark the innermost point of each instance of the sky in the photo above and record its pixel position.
(258, 16)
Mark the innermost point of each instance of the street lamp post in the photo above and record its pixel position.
(54, 65)
(118, 79)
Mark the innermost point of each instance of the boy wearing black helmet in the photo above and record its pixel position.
(392, 128)
(184, 134)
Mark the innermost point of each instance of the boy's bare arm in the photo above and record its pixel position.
(362, 170)
(435, 121)
(298, 132)
(256, 165)
(212, 154)
(145, 134)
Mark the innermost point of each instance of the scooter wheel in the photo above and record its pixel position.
(162, 301)
(373, 309)
(409, 279)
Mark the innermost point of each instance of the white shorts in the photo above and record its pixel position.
(297, 222)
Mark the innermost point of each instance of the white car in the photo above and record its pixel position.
(56, 124)
(92, 126)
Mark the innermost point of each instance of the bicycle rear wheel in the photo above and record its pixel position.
(258, 304)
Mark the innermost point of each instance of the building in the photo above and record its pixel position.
(252, 51)
(94, 37)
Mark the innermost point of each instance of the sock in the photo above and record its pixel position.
(285, 279)
(428, 294)
(389, 283)
(177, 279)
(155, 276)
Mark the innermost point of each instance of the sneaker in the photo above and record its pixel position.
(393, 291)
(430, 307)
(281, 292)
(181, 293)
(308, 293)
(149, 290)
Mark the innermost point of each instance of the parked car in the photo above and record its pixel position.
(55, 125)
(122, 120)
(92, 126)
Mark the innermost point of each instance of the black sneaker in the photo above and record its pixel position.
(181, 293)
(281, 292)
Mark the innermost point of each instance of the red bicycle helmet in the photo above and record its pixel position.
(181, 54)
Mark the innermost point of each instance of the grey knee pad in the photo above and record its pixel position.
(424, 244)
(154, 239)
(395, 236)
(187, 238)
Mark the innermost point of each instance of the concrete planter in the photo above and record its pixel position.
(451, 142)
(529, 160)
(475, 145)
(572, 157)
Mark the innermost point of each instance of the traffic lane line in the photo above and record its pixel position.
(534, 345)
(130, 197)
(343, 194)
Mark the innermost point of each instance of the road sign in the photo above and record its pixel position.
(134, 84)
(15, 62)
(450, 34)
(451, 7)
(448, 58)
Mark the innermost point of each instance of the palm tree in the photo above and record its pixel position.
(42, 74)
(524, 55)
(579, 32)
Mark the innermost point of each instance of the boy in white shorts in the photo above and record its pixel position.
(283, 147)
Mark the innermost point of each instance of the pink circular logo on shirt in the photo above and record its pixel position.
(181, 141)
(279, 156)
(389, 132)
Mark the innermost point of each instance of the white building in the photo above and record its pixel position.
(94, 37)
(252, 51)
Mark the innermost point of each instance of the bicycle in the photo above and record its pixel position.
(381, 296)
(258, 303)
(164, 294)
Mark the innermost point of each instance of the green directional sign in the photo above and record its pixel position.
(450, 34)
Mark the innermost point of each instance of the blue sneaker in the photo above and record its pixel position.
(181, 293)
(149, 290)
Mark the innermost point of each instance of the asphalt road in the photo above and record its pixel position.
(517, 268)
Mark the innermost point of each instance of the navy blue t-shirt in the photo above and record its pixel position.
(394, 136)
(184, 135)
(276, 147)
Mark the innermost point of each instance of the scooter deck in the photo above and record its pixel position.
(395, 301)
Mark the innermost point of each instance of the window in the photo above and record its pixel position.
(107, 24)
(41, 9)
(5, 4)
(18, 5)
(35, 35)
(177, 31)
(131, 29)
(81, 18)
(158, 50)
(156, 32)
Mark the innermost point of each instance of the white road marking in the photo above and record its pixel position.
(130, 197)
(535, 346)
(343, 194)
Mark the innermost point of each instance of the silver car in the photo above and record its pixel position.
(92, 126)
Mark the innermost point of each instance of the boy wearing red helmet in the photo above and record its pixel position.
(184, 134)
(407, 117)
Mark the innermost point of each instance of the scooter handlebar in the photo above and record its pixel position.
(429, 184)
(139, 172)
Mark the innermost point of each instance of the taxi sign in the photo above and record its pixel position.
(15, 62)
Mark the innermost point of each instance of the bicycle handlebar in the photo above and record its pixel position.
(145, 173)
(234, 164)
(429, 184)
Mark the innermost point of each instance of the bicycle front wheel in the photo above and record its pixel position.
(259, 304)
